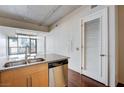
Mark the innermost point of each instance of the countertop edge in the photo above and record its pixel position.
(43, 62)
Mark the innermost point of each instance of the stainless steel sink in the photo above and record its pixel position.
(35, 60)
(23, 62)
(15, 63)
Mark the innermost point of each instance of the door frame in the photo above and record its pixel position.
(102, 12)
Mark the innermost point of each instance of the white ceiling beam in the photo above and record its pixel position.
(20, 24)
(51, 13)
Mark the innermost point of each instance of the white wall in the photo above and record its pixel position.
(65, 38)
(40, 45)
(3, 45)
(113, 56)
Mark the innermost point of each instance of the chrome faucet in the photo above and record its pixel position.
(26, 54)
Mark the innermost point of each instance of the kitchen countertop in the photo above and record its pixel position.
(49, 58)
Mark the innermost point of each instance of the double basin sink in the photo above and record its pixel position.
(23, 62)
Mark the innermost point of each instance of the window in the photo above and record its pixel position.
(12, 45)
(17, 45)
(33, 45)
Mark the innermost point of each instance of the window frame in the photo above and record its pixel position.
(11, 47)
(35, 46)
(22, 47)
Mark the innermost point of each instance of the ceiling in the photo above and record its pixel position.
(43, 15)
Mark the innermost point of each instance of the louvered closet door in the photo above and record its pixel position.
(94, 47)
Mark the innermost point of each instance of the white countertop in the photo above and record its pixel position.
(48, 59)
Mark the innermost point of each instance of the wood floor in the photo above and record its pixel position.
(77, 80)
(120, 85)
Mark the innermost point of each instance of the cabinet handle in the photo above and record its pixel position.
(30, 81)
(27, 82)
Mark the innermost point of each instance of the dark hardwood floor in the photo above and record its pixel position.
(77, 80)
(120, 85)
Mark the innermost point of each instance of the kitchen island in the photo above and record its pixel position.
(35, 74)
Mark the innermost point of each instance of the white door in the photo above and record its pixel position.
(95, 46)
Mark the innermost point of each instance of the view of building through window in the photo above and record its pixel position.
(18, 45)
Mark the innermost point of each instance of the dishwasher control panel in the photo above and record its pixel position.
(58, 63)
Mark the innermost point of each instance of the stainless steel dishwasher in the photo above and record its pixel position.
(58, 74)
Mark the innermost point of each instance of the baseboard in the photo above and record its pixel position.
(75, 70)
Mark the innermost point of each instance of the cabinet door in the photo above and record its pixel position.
(6, 79)
(20, 81)
(20, 77)
(40, 77)
(65, 69)
(13, 78)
